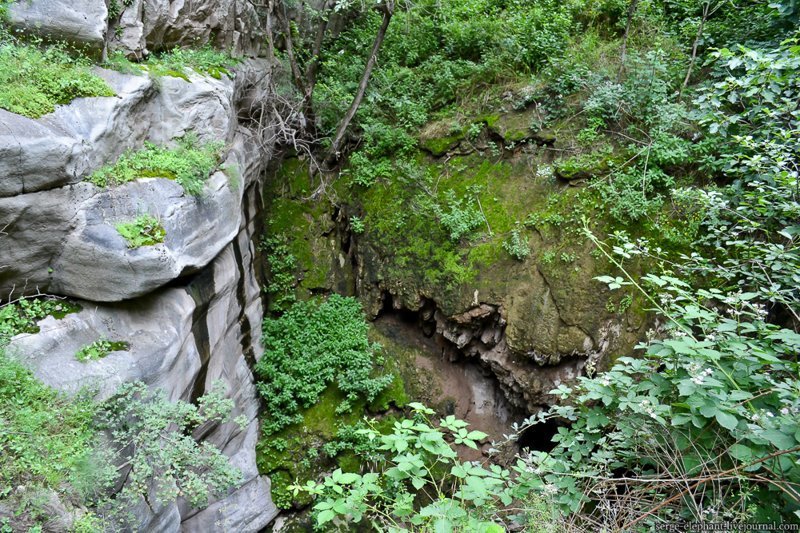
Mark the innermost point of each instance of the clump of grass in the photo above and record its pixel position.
(99, 349)
(33, 80)
(189, 163)
(206, 60)
(144, 230)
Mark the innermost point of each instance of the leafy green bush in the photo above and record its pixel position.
(33, 80)
(99, 349)
(189, 163)
(145, 230)
(21, 316)
(155, 436)
(419, 481)
(310, 346)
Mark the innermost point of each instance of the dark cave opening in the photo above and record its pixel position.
(539, 437)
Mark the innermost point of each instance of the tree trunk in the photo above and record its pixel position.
(287, 30)
(388, 11)
(623, 53)
(706, 13)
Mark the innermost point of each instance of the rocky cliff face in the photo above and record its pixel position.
(190, 308)
(138, 27)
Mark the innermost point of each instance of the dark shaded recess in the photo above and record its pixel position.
(202, 290)
(539, 438)
(422, 319)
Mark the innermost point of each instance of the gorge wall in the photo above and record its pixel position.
(190, 308)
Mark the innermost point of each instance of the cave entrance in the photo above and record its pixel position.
(539, 437)
(442, 376)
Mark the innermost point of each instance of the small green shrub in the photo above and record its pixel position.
(461, 216)
(22, 315)
(189, 163)
(99, 349)
(311, 345)
(145, 230)
(357, 225)
(516, 245)
(33, 80)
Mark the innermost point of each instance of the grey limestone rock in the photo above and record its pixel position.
(182, 340)
(80, 22)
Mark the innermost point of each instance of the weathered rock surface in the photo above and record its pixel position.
(80, 22)
(67, 145)
(155, 25)
(63, 240)
(190, 308)
(182, 340)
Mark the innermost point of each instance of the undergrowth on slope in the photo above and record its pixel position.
(46, 437)
(189, 163)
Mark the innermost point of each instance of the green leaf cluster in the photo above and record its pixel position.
(313, 344)
(419, 483)
(144, 230)
(190, 163)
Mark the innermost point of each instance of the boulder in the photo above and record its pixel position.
(67, 145)
(82, 23)
(64, 240)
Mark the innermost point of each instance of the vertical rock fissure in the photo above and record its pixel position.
(202, 291)
(241, 298)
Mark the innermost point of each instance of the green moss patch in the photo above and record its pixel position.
(300, 242)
